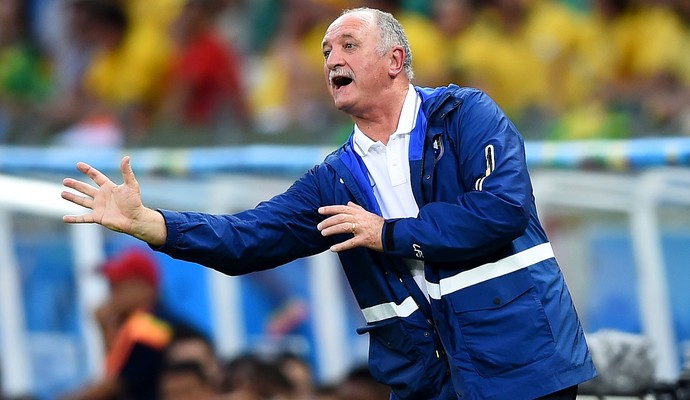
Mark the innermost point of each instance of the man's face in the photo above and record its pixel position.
(355, 70)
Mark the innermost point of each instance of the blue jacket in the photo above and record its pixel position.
(500, 323)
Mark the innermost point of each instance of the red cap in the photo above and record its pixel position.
(132, 264)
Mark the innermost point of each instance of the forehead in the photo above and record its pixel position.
(358, 24)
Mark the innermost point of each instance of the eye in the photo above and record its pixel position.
(326, 53)
(349, 46)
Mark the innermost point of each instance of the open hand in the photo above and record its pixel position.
(117, 207)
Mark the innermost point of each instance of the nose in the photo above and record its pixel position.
(333, 60)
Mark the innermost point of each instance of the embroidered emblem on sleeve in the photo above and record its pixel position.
(490, 166)
(417, 251)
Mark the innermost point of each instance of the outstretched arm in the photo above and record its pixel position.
(116, 207)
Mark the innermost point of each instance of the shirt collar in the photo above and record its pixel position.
(406, 123)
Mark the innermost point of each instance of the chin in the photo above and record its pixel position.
(342, 106)
(345, 100)
(339, 104)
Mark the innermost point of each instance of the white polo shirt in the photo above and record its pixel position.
(389, 172)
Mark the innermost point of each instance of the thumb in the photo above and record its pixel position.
(127, 172)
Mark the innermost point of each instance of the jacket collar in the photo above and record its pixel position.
(436, 103)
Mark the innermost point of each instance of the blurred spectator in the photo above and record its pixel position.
(88, 112)
(285, 95)
(205, 91)
(24, 76)
(518, 51)
(135, 330)
(360, 385)
(326, 392)
(186, 381)
(418, 6)
(71, 45)
(123, 82)
(61, 28)
(682, 8)
(658, 65)
(299, 372)
(200, 72)
(264, 18)
(249, 377)
(631, 50)
(598, 53)
(188, 345)
(389, 6)
(432, 40)
(153, 16)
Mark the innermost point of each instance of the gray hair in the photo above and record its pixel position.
(392, 34)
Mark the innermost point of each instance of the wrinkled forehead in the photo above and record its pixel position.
(351, 24)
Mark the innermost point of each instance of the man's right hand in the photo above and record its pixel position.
(117, 207)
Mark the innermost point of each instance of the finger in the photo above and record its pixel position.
(331, 210)
(339, 229)
(78, 219)
(97, 176)
(342, 246)
(127, 171)
(333, 220)
(354, 205)
(86, 202)
(80, 186)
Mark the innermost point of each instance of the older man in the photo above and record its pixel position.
(428, 205)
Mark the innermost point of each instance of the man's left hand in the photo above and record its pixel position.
(365, 227)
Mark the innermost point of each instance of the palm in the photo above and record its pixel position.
(113, 206)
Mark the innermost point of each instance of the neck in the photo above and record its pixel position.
(379, 122)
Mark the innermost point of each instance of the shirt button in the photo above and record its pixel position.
(427, 177)
(426, 334)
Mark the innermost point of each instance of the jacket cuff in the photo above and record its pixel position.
(388, 237)
(172, 221)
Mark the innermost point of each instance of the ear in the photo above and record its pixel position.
(397, 61)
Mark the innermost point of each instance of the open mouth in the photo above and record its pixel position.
(340, 81)
(341, 78)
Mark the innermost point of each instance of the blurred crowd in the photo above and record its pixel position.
(215, 72)
(152, 353)
(192, 370)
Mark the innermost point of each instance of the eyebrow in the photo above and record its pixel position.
(343, 36)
